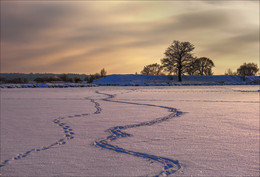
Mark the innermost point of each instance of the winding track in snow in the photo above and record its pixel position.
(170, 166)
(68, 134)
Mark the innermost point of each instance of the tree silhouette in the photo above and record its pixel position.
(204, 66)
(64, 77)
(230, 72)
(152, 69)
(192, 68)
(177, 57)
(248, 69)
(46, 79)
(103, 72)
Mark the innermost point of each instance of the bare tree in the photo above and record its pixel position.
(204, 66)
(103, 72)
(152, 69)
(177, 57)
(192, 68)
(230, 72)
(248, 69)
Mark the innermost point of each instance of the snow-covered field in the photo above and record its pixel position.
(130, 131)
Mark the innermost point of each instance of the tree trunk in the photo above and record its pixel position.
(179, 75)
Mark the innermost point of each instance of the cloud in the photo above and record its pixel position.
(247, 37)
(224, 3)
(237, 44)
(202, 20)
(23, 22)
(148, 33)
(83, 34)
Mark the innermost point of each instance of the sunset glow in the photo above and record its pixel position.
(124, 36)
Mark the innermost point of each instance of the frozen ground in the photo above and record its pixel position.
(130, 131)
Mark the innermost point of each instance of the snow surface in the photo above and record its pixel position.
(130, 131)
(47, 85)
(149, 80)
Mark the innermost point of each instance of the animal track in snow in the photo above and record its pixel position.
(170, 166)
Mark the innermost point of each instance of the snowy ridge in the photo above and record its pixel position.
(149, 80)
(68, 134)
(170, 166)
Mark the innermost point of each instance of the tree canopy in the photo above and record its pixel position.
(152, 69)
(177, 58)
(204, 66)
(248, 69)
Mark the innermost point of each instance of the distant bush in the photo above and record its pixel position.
(64, 78)
(103, 72)
(18, 80)
(90, 78)
(152, 69)
(47, 79)
(248, 69)
(230, 72)
(77, 80)
(2, 79)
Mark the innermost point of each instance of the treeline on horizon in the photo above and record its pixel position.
(179, 60)
(50, 77)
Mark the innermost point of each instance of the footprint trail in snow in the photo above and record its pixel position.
(68, 134)
(170, 166)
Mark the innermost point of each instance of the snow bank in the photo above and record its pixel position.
(47, 85)
(149, 80)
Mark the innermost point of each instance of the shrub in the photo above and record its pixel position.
(46, 79)
(18, 80)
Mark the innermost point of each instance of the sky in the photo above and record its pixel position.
(124, 36)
